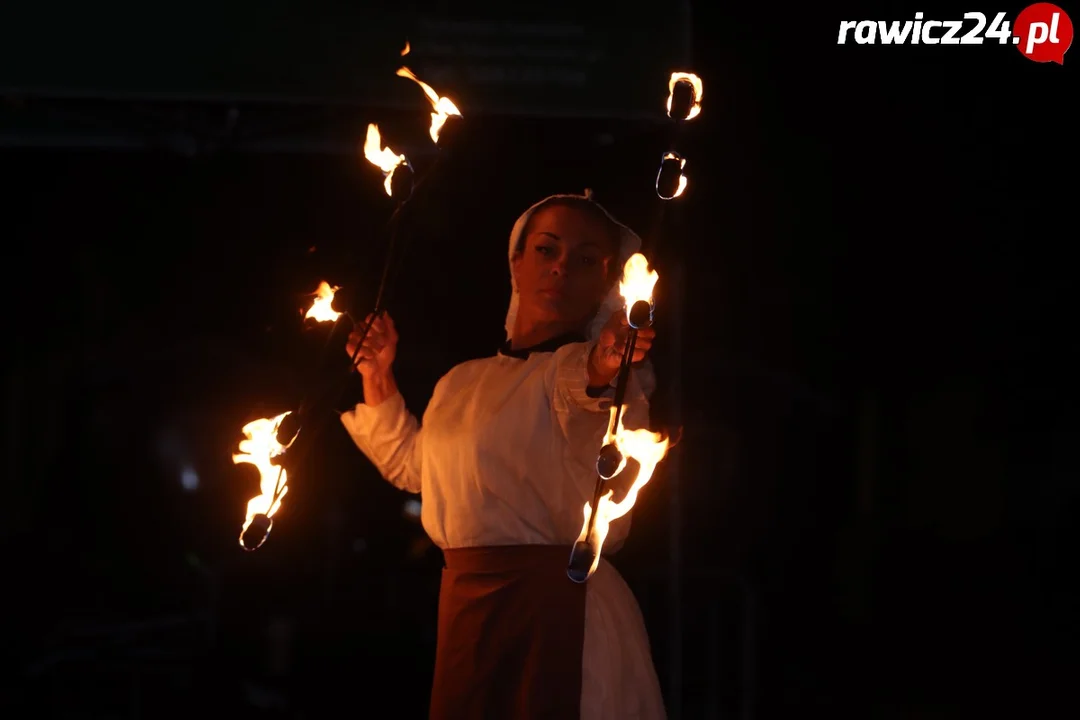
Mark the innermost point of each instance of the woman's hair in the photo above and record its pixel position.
(612, 230)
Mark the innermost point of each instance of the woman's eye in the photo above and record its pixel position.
(544, 249)
(589, 260)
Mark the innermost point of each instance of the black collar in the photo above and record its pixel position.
(547, 346)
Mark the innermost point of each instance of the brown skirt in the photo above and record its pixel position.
(511, 635)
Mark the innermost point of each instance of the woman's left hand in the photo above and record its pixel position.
(611, 344)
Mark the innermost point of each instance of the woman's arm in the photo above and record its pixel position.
(580, 385)
(602, 359)
(386, 432)
(380, 387)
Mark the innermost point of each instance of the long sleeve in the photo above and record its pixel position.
(571, 387)
(390, 436)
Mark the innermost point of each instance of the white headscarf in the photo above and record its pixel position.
(629, 243)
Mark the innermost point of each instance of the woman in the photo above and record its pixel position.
(505, 461)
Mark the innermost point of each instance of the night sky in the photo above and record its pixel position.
(863, 335)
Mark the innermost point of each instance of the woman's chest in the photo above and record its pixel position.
(496, 412)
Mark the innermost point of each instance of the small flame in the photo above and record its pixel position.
(682, 178)
(637, 283)
(258, 448)
(382, 157)
(322, 309)
(443, 107)
(648, 449)
(406, 50)
(699, 91)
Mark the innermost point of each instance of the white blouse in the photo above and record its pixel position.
(506, 455)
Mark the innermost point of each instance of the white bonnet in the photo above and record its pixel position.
(629, 243)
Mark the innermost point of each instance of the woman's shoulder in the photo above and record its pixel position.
(466, 371)
(572, 349)
(470, 371)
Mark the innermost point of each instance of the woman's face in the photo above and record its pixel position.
(563, 269)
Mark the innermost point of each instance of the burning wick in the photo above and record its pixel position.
(648, 449)
(641, 315)
(636, 287)
(343, 300)
(261, 448)
(322, 309)
(685, 91)
(396, 169)
(670, 181)
(610, 462)
(256, 533)
(443, 107)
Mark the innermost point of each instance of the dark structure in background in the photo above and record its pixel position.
(873, 495)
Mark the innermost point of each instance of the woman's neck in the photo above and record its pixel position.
(530, 334)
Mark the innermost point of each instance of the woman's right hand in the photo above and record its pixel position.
(379, 348)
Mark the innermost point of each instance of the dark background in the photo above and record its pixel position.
(864, 334)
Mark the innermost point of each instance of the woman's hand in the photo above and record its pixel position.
(379, 348)
(611, 345)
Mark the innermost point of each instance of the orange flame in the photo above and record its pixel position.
(443, 107)
(648, 449)
(322, 309)
(258, 448)
(637, 282)
(382, 157)
(699, 91)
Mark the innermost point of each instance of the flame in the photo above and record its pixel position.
(382, 157)
(699, 91)
(258, 448)
(406, 50)
(637, 283)
(442, 106)
(322, 309)
(682, 178)
(648, 448)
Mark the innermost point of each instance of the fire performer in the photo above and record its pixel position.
(505, 460)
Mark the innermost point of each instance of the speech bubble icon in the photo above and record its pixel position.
(1043, 32)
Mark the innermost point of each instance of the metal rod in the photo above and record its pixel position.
(390, 272)
(623, 379)
(675, 515)
(380, 296)
(620, 395)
